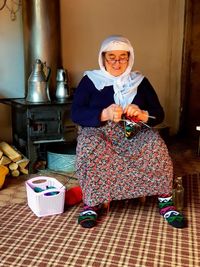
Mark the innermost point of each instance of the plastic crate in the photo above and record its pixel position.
(49, 201)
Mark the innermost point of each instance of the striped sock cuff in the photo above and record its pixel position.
(164, 199)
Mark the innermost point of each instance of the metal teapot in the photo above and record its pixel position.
(62, 88)
(38, 90)
(61, 75)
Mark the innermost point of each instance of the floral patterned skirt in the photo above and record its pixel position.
(111, 167)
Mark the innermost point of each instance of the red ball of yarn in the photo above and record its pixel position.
(73, 196)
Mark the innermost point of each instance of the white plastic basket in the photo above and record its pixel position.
(43, 203)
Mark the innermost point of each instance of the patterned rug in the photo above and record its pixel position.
(131, 234)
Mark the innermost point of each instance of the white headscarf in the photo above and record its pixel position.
(125, 85)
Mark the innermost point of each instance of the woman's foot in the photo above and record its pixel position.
(169, 212)
(88, 217)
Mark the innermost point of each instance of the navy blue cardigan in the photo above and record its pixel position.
(88, 103)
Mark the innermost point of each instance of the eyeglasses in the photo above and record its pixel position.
(114, 61)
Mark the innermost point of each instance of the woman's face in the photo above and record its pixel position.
(116, 61)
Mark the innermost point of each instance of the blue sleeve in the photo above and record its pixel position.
(83, 111)
(147, 99)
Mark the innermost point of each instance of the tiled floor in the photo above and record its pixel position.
(183, 153)
(184, 156)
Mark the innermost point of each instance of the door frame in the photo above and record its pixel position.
(186, 67)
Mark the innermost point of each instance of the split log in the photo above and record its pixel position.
(15, 173)
(5, 160)
(16, 162)
(13, 166)
(10, 152)
(23, 170)
(23, 162)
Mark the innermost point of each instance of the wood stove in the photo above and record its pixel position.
(37, 125)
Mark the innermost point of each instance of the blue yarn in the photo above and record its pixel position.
(38, 190)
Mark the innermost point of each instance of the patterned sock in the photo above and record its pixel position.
(88, 217)
(168, 211)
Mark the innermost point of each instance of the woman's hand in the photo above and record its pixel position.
(113, 113)
(134, 111)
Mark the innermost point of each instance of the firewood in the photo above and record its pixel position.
(1, 154)
(23, 162)
(4, 160)
(13, 166)
(23, 170)
(10, 152)
(15, 173)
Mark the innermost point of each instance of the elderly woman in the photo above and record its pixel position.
(119, 154)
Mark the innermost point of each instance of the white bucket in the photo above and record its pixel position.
(48, 201)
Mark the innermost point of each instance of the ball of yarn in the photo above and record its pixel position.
(38, 189)
(73, 196)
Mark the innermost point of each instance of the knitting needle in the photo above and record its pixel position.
(127, 121)
(145, 124)
(151, 117)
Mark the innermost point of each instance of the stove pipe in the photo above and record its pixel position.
(41, 28)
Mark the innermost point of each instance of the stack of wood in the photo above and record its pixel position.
(15, 161)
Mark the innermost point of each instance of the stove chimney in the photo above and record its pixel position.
(41, 27)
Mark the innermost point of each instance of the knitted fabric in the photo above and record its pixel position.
(88, 217)
(168, 211)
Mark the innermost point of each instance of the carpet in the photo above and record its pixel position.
(131, 234)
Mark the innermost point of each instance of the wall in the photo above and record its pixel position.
(11, 66)
(155, 28)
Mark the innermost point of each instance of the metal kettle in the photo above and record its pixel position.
(38, 90)
(62, 87)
